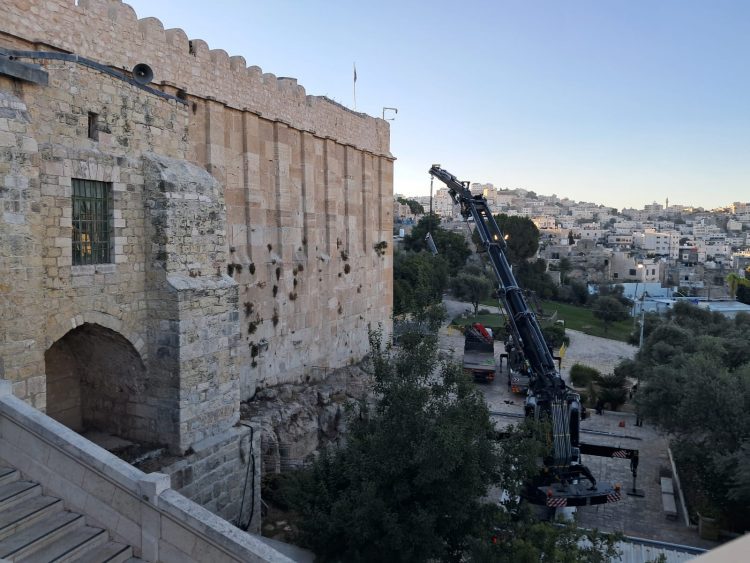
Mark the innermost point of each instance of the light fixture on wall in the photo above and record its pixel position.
(394, 110)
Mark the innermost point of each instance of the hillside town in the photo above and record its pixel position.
(658, 253)
(224, 338)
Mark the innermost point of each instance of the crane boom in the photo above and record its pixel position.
(548, 397)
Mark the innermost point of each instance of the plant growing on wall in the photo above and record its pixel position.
(380, 247)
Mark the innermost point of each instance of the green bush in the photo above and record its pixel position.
(613, 390)
(555, 336)
(613, 397)
(582, 375)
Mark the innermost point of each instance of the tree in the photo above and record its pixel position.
(419, 280)
(608, 310)
(451, 246)
(410, 482)
(614, 290)
(650, 322)
(743, 294)
(522, 237)
(532, 276)
(733, 280)
(580, 292)
(414, 206)
(564, 266)
(554, 336)
(522, 539)
(694, 370)
(613, 390)
(471, 288)
(571, 238)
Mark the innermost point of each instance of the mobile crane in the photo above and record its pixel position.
(559, 482)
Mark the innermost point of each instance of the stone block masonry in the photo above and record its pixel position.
(223, 474)
(306, 183)
(245, 223)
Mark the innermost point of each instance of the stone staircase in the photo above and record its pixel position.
(35, 527)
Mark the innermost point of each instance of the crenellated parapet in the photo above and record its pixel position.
(110, 32)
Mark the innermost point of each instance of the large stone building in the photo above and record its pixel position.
(169, 245)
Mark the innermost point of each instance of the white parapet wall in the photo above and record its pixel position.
(138, 509)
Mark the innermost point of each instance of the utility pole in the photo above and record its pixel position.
(640, 340)
(428, 239)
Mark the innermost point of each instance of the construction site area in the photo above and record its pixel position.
(640, 516)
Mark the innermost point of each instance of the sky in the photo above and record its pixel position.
(619, 102)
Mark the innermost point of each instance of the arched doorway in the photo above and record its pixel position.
(96, 380)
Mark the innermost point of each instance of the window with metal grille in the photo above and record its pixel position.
(92, 209)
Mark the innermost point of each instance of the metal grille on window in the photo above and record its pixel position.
(92, 207)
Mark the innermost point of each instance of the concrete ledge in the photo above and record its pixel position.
(137, 508)
(678, 486)
(245, 547)
(70, 442)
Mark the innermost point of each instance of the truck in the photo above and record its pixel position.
(563, 480)
(479, 353)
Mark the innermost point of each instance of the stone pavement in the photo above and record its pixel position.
(641, 517)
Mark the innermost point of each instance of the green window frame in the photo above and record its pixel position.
(92, 222)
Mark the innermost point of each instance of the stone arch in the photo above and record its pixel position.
(60, 327)
(97, 380)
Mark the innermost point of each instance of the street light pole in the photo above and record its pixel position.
(640, 340)
(635, 294)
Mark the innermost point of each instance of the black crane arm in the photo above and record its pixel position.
(524, 326)
(558, 484)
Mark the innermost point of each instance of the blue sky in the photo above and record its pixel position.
(617, 102)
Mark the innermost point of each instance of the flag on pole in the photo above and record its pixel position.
(355, 72)
(354, 85)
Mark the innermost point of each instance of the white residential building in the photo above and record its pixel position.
(654, 242)
(734, 225)
(543, 221)
(442, 204)
(621, 240)
(712, 249)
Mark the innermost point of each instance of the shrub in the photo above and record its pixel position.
(613, 390)
(582, 375)
(555, 336)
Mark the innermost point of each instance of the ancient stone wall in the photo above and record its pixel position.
(108, 31)
(307, 183)
(223, 474)
(50, 148)
(250, 228)
(22, 318)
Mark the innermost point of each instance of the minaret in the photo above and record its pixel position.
(666, 204)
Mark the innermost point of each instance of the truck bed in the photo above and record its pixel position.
(482, 364)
